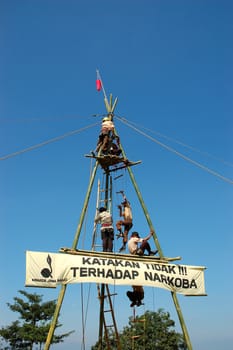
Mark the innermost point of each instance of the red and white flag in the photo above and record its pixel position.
(98, 84)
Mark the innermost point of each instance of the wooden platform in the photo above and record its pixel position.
(108, 160)
(109, 255)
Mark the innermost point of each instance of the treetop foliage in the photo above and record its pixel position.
(35, 316)
(151, 331)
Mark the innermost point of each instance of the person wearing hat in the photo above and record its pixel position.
(107, 232)
(135, 248)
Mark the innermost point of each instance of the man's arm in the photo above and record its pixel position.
(120, 210)
(149, 236)
(97, 218)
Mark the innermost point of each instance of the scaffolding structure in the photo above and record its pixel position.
(109, 162)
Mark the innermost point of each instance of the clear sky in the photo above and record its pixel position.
(170, 65)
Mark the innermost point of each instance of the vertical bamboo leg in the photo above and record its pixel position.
(75, 242)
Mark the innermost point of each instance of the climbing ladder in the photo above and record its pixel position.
(109, 321)
(107, 317)
(134, 336)
(103, 199)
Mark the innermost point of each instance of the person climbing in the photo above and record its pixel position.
(107, 233)
(127, 222)
(136, 296)
(107, 131)
(133, 244)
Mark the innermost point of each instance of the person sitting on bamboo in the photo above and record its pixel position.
(136, 249)
(107, 133)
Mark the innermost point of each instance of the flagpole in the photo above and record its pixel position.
(102, 86)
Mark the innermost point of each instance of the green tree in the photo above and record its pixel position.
(151, 331)
(33, 329)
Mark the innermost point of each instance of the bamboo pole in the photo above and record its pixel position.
(82, 216)
(55, 317)
(174, 296)
(75, 242)
(182, 322)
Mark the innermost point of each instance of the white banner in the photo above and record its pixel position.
(52, 269)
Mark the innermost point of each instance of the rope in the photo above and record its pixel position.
(83, 323)
(212, 172)
(185, 145)
(47, 142)
(84, 314)
(84, 317)
(42, 119)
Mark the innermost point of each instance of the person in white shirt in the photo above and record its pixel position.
(139, 249)
(107, 232)
(107, 133)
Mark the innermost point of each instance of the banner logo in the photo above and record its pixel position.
(47, 273)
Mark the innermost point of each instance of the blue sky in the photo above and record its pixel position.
(170, 65)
